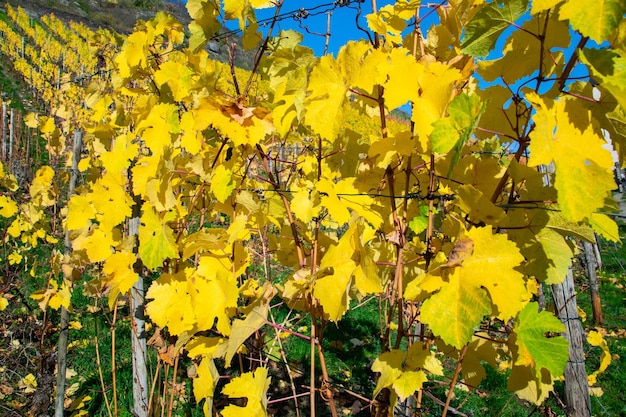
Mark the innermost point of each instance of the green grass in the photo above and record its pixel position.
(612, 281)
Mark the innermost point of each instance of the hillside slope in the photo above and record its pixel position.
(122, 16)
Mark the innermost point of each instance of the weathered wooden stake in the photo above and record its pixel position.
(576, 386)
(590, 269)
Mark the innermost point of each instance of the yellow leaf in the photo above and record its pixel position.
(42, 186)
(171, 304)
(15, 258)
(456, 310)
(157, 129)
(253, 386)
(156, 238)
(527, 386)
(541, 5)
(594, 338)
(61, 298)
(118, 159)
(605, 226)
(8, 207)
(178, 77)
(596, 19)
(305, 204)
(121, 275)
(391, 20)
(206, 380)
(349, 262)
(583, 165)
(4, 303)
(222, 184)
(79, 212)
(402, 84)
(98, 245)
(326, 95)
(28, 383)
(205, 24)
(217, 285)
(437, 90)
(242, 329)
(408, 383)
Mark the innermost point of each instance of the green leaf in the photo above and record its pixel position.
(596, 19)
(535, 347)
(610, 67)
(483, 30)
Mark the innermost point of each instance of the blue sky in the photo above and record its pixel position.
(343, 26)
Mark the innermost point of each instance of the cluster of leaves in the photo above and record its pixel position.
(433, 216)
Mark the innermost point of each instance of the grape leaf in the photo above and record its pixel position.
(583, 165)
(537, 350)
(205, 382)
(222, 184)
(396, 374)
(156, 238)
(460, 305)
(8, 207)
(171, 303)
(488, 23)
(121, 274)
(594, 338)
(241, 330)
(326, 94)
(596, 19)
(455, 311)
(349, 262)
(79, 212)
(253, 386)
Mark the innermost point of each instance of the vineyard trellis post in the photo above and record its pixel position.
(4, 131)
(577, 396)
(65, 315)
(590, 268)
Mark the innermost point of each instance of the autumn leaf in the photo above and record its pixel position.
(4, 303)
(486, 278)
(594, 338)
(241, 330)
(205, 382)
(326, 94)
(79, 212)
(121, 276)
(171, 303)
(250, 385)
(8, 207)
(596, 19)
(583, 165)
(395, 374)
(156, 238)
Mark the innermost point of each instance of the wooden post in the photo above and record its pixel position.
(576, 386)
(138, 330)
(11, 132)
(4, 131)
(65, 315)
(590, 269)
